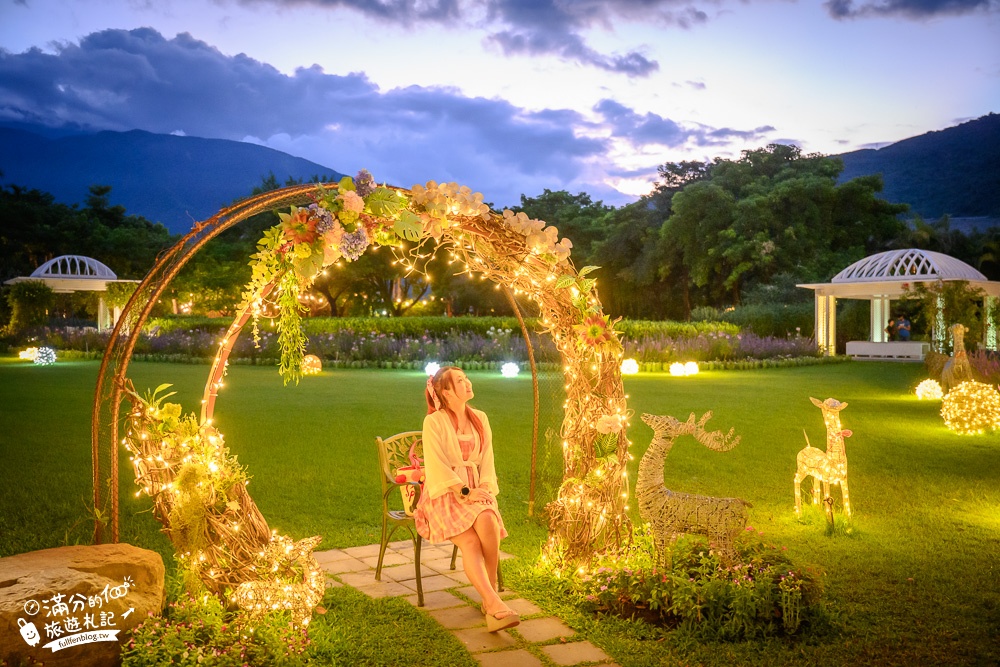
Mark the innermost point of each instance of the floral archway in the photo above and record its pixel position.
(182, 462)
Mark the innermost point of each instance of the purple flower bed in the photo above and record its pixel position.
(497, 346)
(718, 346)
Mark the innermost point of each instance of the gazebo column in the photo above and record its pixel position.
(826, 324)
(989, 330)
(102, 314)
(880, 317)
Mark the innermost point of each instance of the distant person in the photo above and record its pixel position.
(890, 329)
(902, 328)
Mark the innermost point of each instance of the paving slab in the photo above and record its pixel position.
(384, 590)
(524, 607)
(473, 594)
(516, 658)
(345, 565)
(575, 652)
(456, 618)
(403, 572)
(390, 558)
(461, 578)
(329, 556)
(436, 582)
(437, 600)
(361, 552)
(442, 565)
(477, 640)
(544, 629)
(362, 578)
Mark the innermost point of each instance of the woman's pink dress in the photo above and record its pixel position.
(439, 519)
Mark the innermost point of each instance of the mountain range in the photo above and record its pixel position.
(178, 180)
(171, 179)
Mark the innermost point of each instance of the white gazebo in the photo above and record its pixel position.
(76, 273)
(880, 279)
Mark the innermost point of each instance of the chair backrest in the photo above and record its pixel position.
(393, 453)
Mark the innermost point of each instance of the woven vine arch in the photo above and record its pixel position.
(588, 515)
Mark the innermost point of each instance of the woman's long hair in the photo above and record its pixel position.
(443, 380)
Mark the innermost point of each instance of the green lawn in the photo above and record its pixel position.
(913, 581)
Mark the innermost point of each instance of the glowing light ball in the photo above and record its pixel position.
(630, 367)
(971, 408)
(510, 370)
(432, 367)
(29, 354)
(45, 356)
(930, 390)
(678, 369)
(311, 365)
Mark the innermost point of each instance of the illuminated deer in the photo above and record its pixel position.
(671, 512)
(829, 467)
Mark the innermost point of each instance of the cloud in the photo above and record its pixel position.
(122, 80)
(650, 128)
(531, 27)
(912, 9)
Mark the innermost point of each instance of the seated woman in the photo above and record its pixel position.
(458, 502)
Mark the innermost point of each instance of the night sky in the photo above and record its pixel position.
(506, 96)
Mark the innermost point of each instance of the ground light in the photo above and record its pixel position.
(311, 365)
(510, 370)
(971, 408)
(630, 367)
(45, 356)
(29, 354)
(678, 369)
(432, 368)
(930, 390)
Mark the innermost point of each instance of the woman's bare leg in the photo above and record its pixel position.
(488, 529)
(474, 563)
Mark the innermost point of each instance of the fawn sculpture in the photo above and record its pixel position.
(957, 369)
(670, 512)
(829, 467)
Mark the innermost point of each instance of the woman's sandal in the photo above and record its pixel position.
(494, 622)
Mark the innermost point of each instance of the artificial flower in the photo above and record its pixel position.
(350, 201)
(298, 225)
(520, 222)
(543, 241)
(609, 424)
(354, 244)
(364, 183)
(594, 331)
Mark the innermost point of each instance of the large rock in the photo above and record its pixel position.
(71, 597)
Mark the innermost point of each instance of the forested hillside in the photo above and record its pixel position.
(953, 172)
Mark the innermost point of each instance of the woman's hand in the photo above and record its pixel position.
(479, 495)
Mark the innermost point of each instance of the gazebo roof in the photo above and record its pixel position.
(74, 266)
(72, 273)
(907, 265)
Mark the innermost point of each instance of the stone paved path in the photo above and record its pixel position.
(539, 640)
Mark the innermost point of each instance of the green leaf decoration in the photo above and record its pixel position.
(587, 269)
(346, 183)
(408, 226)
(562, 282)
(308, 267)
(384, 203)
(586, 285)
(605, 444)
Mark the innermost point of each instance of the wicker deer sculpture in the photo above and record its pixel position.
(671, 513)
(829, 467)
(957, 369)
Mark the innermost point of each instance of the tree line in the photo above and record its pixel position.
(710, 234)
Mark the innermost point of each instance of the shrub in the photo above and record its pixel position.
(761, 594)
(30, 301)
(198, 631)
